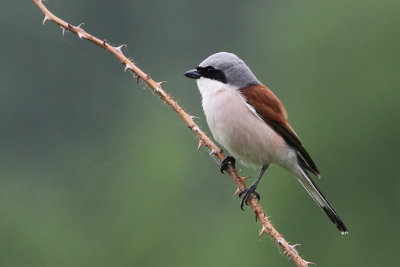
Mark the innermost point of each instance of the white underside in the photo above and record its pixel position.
(237, 127)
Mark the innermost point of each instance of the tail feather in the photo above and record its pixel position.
(317, 195)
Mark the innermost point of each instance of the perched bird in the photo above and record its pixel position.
(247, 119)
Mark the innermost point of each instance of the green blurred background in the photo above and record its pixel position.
(97, 171)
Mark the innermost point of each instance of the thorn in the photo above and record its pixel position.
(201, 143)
(263, 230)
(280, 242)
(293, 248)
(245, 178)
(80, 35)
(158, 90)
(137, 78)
(46, 18)
(127, 67)
(213, 152)
(196, 129)
(105, 43)
(161, 83)
(63, 30)
(119, 48)
(194, 117)
(236, 192)
(78, 30)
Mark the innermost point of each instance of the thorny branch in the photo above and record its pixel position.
(204, 140)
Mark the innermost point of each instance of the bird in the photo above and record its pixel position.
(249, 120)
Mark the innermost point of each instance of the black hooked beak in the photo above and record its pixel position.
(193, 74)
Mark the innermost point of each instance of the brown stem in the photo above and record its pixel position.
(204, 140)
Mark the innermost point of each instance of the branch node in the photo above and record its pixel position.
(257, 213)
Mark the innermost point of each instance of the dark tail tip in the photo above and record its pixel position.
(336, 220)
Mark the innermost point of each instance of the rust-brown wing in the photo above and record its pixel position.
(272, 111)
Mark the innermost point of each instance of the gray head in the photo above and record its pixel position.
(224, 67)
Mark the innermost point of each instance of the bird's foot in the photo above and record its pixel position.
(246, 193)
(229, 160)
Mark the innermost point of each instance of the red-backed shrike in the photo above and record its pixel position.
(251, 123)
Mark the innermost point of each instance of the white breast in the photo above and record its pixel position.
(237, 127)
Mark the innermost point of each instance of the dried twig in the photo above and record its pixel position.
(204, 140)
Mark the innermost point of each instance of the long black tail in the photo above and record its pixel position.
(317, 195)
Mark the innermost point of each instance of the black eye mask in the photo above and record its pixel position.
(212, 73)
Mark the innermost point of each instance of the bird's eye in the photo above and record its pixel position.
(210, 70)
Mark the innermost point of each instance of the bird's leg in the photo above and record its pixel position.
(229, 160)
(246, 193)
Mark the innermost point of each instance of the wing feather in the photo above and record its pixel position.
(272, 111)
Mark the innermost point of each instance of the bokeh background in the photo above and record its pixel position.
(97, 171)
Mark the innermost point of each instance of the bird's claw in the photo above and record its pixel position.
(229, 160)
(246, 193)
